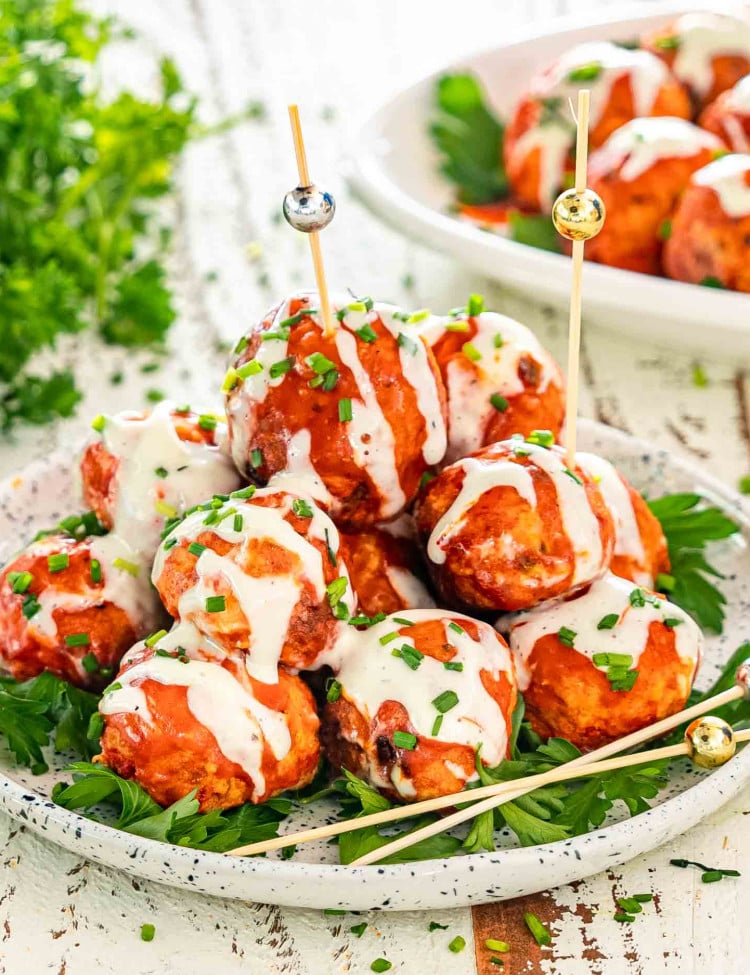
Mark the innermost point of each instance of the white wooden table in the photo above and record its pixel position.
(338, 58)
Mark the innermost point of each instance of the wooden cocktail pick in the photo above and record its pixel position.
(309, 210)
(577, 214)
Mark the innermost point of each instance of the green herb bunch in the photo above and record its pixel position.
(80, 246)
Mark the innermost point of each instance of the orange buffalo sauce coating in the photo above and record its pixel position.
(294, 421)
(361, 729)
(172, 751)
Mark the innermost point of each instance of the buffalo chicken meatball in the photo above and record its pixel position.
(361, 410)
(260, 574)
(729, 116)
(386, 569)
(73, 607)
(605, 663)
(707, 52)
(143, 468)
(512, 525)
(182, 715)
(540, 137)
(711, 228)
(414, 698)
(640, 173)
(640, 552)
(499, 380)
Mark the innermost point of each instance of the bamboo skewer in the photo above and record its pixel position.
(474, 795)
(561, 774)
(315, 248)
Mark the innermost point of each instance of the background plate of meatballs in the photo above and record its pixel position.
(471, 159)
(373, 579)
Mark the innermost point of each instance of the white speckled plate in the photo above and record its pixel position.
(395, 170)
(44, 492)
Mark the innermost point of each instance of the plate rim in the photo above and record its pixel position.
(19, 800)
(530, 266)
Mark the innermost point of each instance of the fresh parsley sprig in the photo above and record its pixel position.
(689, 524)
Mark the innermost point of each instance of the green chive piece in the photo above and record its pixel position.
(445, 701)
(31, 606)
(573, 476)
(492, 945)
(301, 508)
(629, 904)
(542, 438)
(637, 598)
(77, 640)
(458, 944)
(99, 422)
(497, 340)
(336, 590)
(241, 345)
(130, 567)
(20, 581)
(152, 640)
(672, 622)
(410, 656)
(500, 403)
(643, 898)
(195, 548)
(256, 458)
(251, 368)
(56, 563)
(366, 333)
(408, 343)
(586, 72)
(147, 932)
(231, 379)
(358, 929)
(471, 352)
(624, 918)
(216, 604)
(450, 665)
(333, 691)
(437, 725)
(319, 363)
(538, 930)
(612, 660)
(207, 421)
(246, 492)
(434, 926)
(167, 510)
(608, 622)
(566, 636)
(402, 621)
(457, 327)
(453, 625)
(381, 965)
(711, 876)
(345, 410)
(405, 740)
(475, 306)
(665, 582)
(388, 637)
(281, 367)
(89, 663)
(238, 522)
(96, 570)
(161, 472)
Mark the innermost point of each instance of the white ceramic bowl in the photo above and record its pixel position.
(44, 492)
(394, 169)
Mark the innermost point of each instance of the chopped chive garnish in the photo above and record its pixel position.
(167, 510)
(56, 563)
(366, 333)
(238, 522)
(622, 918)
(458, 944)
(388, 637)
(20, 581)
(542, 438)
(706, 870)
(445, 701)
(475, 306)
(408, 343)
(77, 640)
(117, 686)
(246, 492)
(89, 663)
(195, 548)
(437, 725)
(301, 508)
(345, 410)
(402, 621)
(230, 380)
(497, 340)
(381, 965)
(608, 622)
(499, 402)
(125, 566)
(405, 740)
(277, 369)
(573, 476)
(493, 945)
(643, 898)
(280, 334)
(367, 621)
(147, 932)
(329, 548)
(319, 363)
(96, 570)
(637, 598)
(161, 472)
(358, 929)
(538, 930)
(425, 479)
(450, 665)
(251, 368)
(207, 421)
(453, 625)
(256, 458)
(182, 410)
(419, 316)
(330, 379)
(410, 655)
(612, 659)
(434, 926)
(99, 422)
(336, 590)
(297, 318)
(216, 604)
(629, 904)
(457, 327)
(241, 345)
(154, 395)
(31, 606)
(671, 622)
(152, 640)
(665, 582)
(471, 352)
(566, 636)
(333, 691)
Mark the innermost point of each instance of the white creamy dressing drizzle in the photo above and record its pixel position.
(471, 384)
(702, 37)
(728, 178)
(134, 594)
(240, 724)
(267, 602)
(555, 139)
(628, 541)
(482, 474)
(409, 587)
(370, 675)
(300, 477)
(143, 444)
(735, 108)
(581, 614)
(640, 144)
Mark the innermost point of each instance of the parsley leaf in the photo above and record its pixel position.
(469, 138)
(689, 525)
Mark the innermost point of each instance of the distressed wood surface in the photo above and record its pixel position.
(63, 915)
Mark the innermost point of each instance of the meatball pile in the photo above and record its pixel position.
(319, 575)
